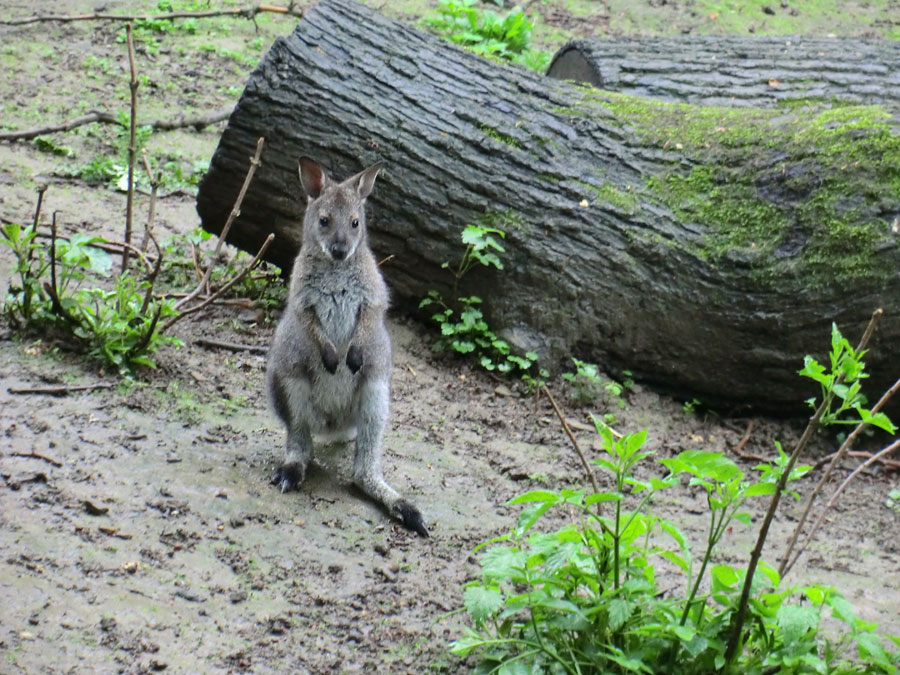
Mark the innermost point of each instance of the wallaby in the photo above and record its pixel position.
(329, 367)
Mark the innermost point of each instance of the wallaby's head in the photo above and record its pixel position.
(335, 220)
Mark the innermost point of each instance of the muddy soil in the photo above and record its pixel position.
(138, 529)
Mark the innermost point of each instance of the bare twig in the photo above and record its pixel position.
(89, 118)
(196, 263)
(151, 280)
(245, 12)
(37, 455)
(878, 456)
(743, 442)
(235, 211)
(37, 209)
(565, 425)
(151, 212)
(737, 625)
(103, 117)
(231, 346)
(223, 289)
(55, 294)
(132, 146)
(889, 463)
(61, 390)
(786, 561)
(52, 288)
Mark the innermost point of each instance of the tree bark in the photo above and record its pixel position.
(736, 71)
(706, 251)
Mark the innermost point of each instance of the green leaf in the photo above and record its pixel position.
(760, 489)
(536, 496)
(683, 633)
(619, 610)
(742, 517)
(796, 621)
(602, 497)
(676, 560)
(482, 602)
(879, 420)
(464, 645)
(724, 577)
(530, 516)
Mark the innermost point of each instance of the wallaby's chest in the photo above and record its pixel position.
(338, 312)
(336, 299)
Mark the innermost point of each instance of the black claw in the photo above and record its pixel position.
(354, 359)
(288, 476)
(329, 359)
(411, 517)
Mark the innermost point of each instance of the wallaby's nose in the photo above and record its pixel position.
(338, 250)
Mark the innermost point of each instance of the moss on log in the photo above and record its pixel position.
(705, 249)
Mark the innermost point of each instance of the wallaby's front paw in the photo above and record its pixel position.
(354, 359)
(411, 517)
(329, 358)
(288, 476)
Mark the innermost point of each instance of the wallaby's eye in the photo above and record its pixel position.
(355, 222)
(323, 221)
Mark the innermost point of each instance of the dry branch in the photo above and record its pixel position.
(245, 12)
(180, 122)
(231, 346)
(37, 455)
(37, 209)
(584, 463)
(132, 147)
(235, 211)
(878, 456)
(61, 390)
(223, 289)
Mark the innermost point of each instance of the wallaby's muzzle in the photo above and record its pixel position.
(338, 250)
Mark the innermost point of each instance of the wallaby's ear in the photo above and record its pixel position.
(365, 180)
(312, 177)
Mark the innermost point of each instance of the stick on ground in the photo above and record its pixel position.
(61, 390)
(249, 12)
(37, 455)
(104, 117)
(231, 346)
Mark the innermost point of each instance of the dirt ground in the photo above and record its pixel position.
(138, 529)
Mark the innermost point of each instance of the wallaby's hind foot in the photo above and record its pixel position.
(410, 516)
(289, 476)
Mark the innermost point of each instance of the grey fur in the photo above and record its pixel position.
(330, 363)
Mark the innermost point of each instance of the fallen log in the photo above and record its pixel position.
(755, 72)
(705, 249)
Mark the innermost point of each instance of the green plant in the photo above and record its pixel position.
(584, 598)
(842, 385)
(117, 326)
(690, 407)
(112, 169)
(588, 384)
(44, 144)
(484, 32)
(893, 500)
(463, 327)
